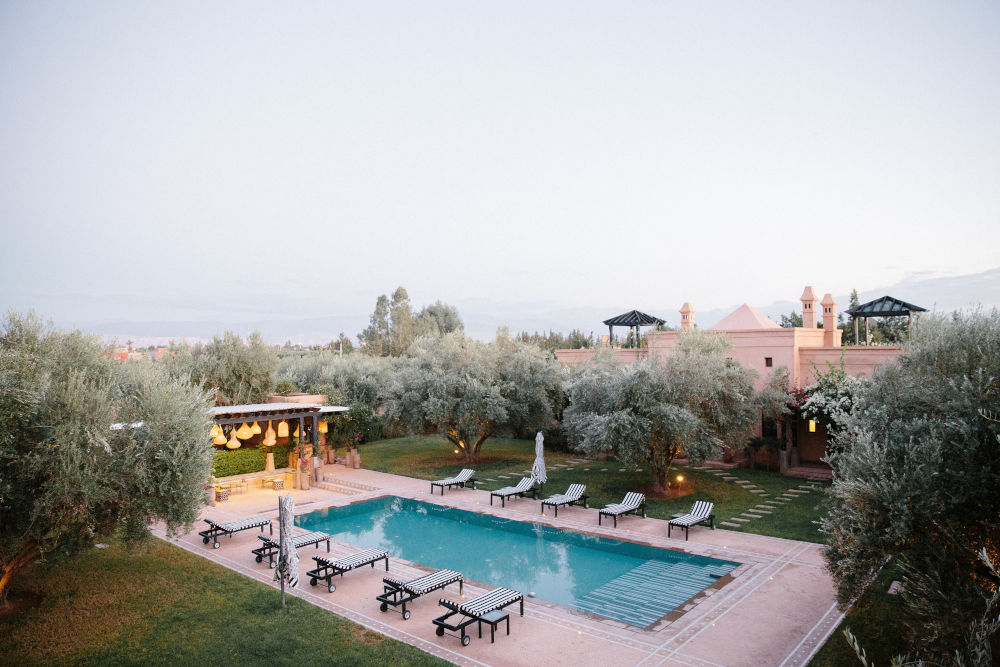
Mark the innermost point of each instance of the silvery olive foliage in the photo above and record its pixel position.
(67, 475)
(347, 379)
(239, 371)
(467, 391)
(917, 479)
(649, 412)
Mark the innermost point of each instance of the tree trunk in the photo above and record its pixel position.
(661, 479)
(23, 558)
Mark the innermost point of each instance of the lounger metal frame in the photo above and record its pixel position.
(622, 508)
(565, 499)
(700, 512)
(272, 548)
(397, 593)
(456, 481)
(511, 492)
(328, 568)
(215, 529)
(471, 612)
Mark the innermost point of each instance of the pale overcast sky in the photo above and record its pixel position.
(241, 159)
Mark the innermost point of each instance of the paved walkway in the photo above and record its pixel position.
(776, 609)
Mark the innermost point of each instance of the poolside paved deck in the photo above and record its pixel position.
(776, 609)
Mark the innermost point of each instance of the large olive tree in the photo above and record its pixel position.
(648, 412)
(467, 391)
(239, 371)
(917, 479)
(90, 447)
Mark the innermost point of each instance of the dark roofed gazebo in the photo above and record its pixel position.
(633, 319)
(885, 306)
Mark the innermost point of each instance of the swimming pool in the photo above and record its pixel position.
(624, 581)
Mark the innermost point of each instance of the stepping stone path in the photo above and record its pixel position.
(731, 525)
(761, 511)
(736, 518)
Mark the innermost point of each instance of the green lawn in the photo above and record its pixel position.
(429, 457)
(163, 605)
(873, 620)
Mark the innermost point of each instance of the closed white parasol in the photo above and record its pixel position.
(288, 559)
(538, 467)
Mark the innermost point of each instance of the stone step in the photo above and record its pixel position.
(351, 484)
(336, 488)
(761, 511)
(736, 518)
(731, 525)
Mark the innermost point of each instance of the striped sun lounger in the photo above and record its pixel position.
(700, 512)
(522, 488)
(230, 527)
(398, 593)
(272, 547)
(474, 610)
(574, 494)
(633, 502)
(328, 568)
(461, 479)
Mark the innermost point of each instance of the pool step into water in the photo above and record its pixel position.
(649, 592)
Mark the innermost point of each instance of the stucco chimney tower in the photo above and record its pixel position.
(808, 308)
(829, 320)
(687, 316)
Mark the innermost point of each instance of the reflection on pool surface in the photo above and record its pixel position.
(628, 582)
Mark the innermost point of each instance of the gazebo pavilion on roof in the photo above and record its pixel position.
(633, 319)
(885, 306)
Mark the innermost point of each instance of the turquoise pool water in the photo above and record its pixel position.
(628, 582)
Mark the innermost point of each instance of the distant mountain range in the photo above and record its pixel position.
(936, 294)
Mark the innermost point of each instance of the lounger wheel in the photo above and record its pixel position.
(406, 615)
(272, 564)
(216, 545)
(260, 558)
(204, 540)
(313, 581)
(466, 640)
(332, 587)
(439, 630)
(383, 607)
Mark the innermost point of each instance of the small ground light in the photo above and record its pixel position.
(456, 451)
(680, 478)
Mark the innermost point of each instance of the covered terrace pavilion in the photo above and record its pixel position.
(633, 319)
(304, 421)
(885, 306)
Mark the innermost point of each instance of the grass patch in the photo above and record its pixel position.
(429, 457)
(159, 604)
(874, 621)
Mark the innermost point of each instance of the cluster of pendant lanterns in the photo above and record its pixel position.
(246, 431)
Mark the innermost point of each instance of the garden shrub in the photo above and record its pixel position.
(246, 460)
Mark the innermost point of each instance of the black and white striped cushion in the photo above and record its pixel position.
(236, 526)
(486, 603)
(432, 581)
(354, 560)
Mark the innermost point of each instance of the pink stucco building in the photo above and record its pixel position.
(761, 344)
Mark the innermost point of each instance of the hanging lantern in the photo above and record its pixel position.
(296, 434)
(243, 432)
(323, 428)
(282, 429)
(214, 433)
(221, 438)
(812, 425)
(255, 428)
(270, 437)
(233, 443)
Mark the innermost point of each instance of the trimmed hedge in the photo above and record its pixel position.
(246, 460)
